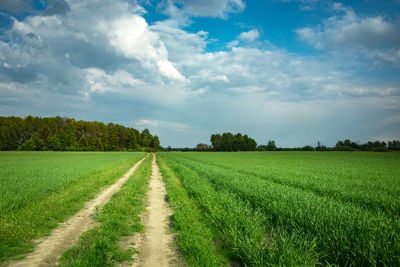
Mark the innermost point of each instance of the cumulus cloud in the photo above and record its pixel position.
(99, 81)
(373, 37)
(54, 49)
(102, 60)
(131, 36)
(249, 36)
(207, 8)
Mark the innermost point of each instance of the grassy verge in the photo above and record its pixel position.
(19, 227)
(120, 218)
(194, 238)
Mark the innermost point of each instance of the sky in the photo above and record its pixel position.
(293, 71)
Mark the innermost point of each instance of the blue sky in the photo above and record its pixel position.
(293, 71)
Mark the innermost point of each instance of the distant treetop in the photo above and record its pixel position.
(230, 142)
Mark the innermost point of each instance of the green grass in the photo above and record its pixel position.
(41, 189)
(119, 218)
(297, 208)
(194, 234)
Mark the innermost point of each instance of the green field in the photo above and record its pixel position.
(41, 189)
(230, 208)
(285, 208)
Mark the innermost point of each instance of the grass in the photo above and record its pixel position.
(41, 189)
(195, 236)
(297, 208)
(119, 218)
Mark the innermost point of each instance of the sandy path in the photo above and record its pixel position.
(48, 251)
(154, 245)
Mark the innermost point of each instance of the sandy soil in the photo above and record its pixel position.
(155, 245)
(49, 249)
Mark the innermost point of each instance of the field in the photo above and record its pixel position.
(285, 208)
(41, 189)
(229, 208)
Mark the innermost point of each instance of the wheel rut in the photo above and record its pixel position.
(155, 244)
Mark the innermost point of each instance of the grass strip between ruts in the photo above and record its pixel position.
(119, 218)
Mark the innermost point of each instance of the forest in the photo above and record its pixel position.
(67, 134)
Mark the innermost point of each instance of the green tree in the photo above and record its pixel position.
(147, 138)
(202, 147)
(155, 144)
(53, 143)
(28, 145)
(271, 146)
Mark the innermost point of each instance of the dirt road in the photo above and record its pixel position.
(48, 251)
(154, 245)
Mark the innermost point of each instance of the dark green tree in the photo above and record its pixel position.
(271, 146)
(155, 143)
(53, 143)
(28, 145)
(146, 138)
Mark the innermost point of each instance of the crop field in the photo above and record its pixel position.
(41, 189)
(285, 208)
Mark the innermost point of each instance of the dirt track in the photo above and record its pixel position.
(154, 245)
(49, 249)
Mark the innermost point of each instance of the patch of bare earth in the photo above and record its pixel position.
(50, 248)
(155, 244)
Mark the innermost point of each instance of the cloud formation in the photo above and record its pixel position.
(249, 36)
(205, 8)
(102, 60)
(372, 37)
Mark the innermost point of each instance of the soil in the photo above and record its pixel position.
(50, 248)
(155, 244)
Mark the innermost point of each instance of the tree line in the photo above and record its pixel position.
(67, 134)
(346, 145)
(239, 142)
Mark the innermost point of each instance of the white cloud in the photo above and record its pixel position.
(161, 76)
(249, 36)
(147, 123)
(177, 126)
(132, 36)
(232, 43)
(372, 37)
(205, 8)
(169, 70)
(100, 82)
